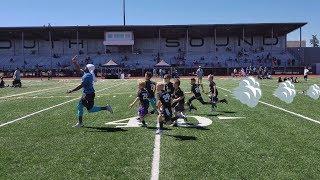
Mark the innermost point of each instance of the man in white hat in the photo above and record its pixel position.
(87, 99)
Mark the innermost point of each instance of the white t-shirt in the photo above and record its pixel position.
(305, 72)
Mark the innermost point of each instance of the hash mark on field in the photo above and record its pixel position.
(46, 109)
(282, 109)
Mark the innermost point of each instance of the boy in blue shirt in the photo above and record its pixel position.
(87, 99)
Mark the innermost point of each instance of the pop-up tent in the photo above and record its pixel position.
(162, 63)
(111, 69)
(111, 63)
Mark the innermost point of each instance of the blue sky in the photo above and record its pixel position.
(109, 12)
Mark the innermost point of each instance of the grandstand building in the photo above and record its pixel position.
(223, 46)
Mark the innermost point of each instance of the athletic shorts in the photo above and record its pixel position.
(179, 107)
(87, 100)
(142, 111)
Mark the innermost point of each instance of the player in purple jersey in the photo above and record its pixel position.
(143, 98)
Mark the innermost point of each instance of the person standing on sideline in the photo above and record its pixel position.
(305, 73)
(199, 74)
(16, 78)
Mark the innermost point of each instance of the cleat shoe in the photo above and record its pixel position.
(175, 124)
(224, 101)
(144, 124)
(109, 108)
(78, 125)
(159, 131)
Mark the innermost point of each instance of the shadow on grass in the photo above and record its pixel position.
(155, 128)
(209, 115)
(182, 138)
(227, 112)
(105, 129)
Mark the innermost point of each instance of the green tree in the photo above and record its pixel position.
(314, 41)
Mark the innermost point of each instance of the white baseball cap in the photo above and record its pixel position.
(90, 67)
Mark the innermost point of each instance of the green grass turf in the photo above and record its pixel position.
(267, 144)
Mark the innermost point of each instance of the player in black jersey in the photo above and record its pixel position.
(151, 88)
(142, 97)
(214, 93)
(178, 102)
(168, 84)
(195, 90)
(164, 102)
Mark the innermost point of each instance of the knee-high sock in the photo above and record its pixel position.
(80, 109)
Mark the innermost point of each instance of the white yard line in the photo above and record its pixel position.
(46, 109)
(30, 92)
(282, 109)
(49, 97)
(156, 157)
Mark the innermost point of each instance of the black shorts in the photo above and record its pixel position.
(167, 114)
(179, 107)
(16, 82)
(306, 77)
(87, 100)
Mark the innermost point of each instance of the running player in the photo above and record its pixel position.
(214, 93)
(142, 97)
(168, 84)
(151, 87)
(164, 107)
(195, 90)
(87, 99)
(178, 102)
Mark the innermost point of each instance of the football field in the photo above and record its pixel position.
(274, 140)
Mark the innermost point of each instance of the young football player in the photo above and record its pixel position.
(87, 99)
(142, 97)
(168, 84)
(195, 90)
(164, 102)
(151, 87)
(214, 93)
(178, 102)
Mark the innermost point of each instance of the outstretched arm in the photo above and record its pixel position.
(76, 64)
(177, 100)
(134, 102)
(75, 89)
